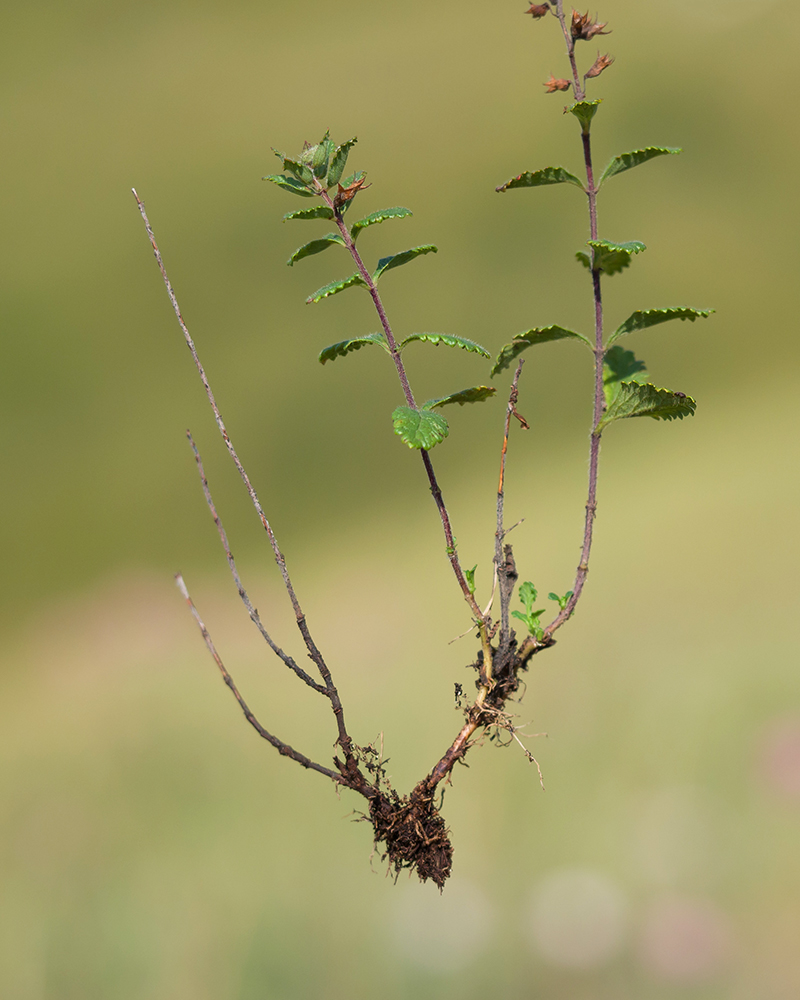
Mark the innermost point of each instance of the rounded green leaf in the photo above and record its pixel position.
(334, 287)
(539, 335)
(421, 429)
(644, 318)
(626, 161)
(398, 259)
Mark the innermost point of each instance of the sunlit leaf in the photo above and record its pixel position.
(339, 161)
(584, 111)
(354, 344)
(645, 400)
(476, 394)
(625, 161)
(334, 287)
(315, 246)
(419, 428)
(375, 217)
(318, 212)
(539, 335)
(449, 341)
(644, 318)
(541, 178)
(398, 259)
(291, 184)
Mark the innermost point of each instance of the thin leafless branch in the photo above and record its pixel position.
(254, 616)
(280, 746)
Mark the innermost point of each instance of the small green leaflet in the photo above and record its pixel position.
(387, 263)
(469, 576)
(645, 400)
(355, 344)
(625, 161)
(338, 162)
(610, 257)
(584, 111)
(315, 246)
(319, 212)
(620, 366)
(334, 287)
(421, 429)
(449, 341)
(375, 217)
(540, 178)
(539, 335)
(644, 318)
(291, 184)
(476, 394)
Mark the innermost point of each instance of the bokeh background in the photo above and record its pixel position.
(152, 846)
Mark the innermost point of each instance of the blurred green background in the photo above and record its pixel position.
(152, 846)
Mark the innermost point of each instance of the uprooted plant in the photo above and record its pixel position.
(409, 830)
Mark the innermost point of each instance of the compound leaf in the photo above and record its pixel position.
(421, 429)
(354, 344)
(644, 318)
(292, 184)
(636, 399)
(584, 111)
(449, 341)
(338, 162)
(396, 260)
(625, 161)
(610, 257)
(334, 287)
(315, 246)
(476, 394)
(380, 216)
(318, 212)
(540, 178)
(539, 335)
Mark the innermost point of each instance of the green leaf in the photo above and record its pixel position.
(620, 366)
(625, 161)
(354, 344)
(469, 576)
(540, 178)
(396, 260)
(291, 184)
(419, 428)
(528, 594)
(338, 162)
(643, 318)
(584, 111)
(449, 341)
(318, 212)
(610, 257)
(315, 246)
(334, 287)
(300, 169)
(375, 217)
(635, 399)
(474, 395)
(320, 157)
(539, 335)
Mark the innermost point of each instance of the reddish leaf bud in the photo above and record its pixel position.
(538, 10)
(600, 63)
(345, 194)
(553, 85)
(583, 27)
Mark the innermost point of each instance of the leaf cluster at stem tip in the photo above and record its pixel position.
(314, 173)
